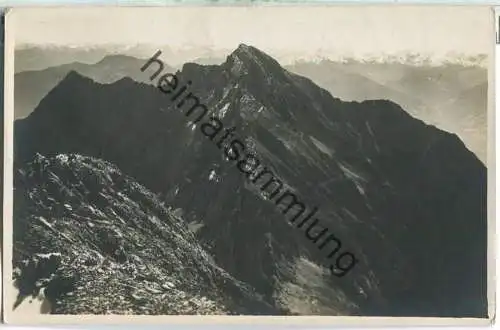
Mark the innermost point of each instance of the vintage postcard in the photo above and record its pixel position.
(309, 164)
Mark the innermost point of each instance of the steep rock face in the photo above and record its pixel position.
(95, 241)
(407, 199)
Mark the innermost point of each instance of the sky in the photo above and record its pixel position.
(297, 31)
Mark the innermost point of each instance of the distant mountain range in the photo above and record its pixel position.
(40, 57)
(30, 57)
(37, 58)
(407, 197)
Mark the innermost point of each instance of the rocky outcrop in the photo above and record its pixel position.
(97, 242)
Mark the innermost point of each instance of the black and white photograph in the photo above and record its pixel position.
(248, 160)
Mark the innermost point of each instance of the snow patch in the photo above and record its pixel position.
(44, 221)
(213, 176)
(309, 293)
(350, 173)
(237, 67)
(62, 159)
(223, 110)
(194, 226)
(321, 147)
(48, 255)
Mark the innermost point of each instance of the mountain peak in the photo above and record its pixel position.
(246, 57)
(247, 52)
(246, 49)
(74, 76)
(72, 81)
(113, 58)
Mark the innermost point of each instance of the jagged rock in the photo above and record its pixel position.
(93, 271)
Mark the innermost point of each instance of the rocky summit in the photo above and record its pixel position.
(95, 241)
(407, 198)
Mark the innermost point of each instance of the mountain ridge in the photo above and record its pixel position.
(448, 90)
(32, 86)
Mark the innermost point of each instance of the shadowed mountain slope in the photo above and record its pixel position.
(450, 96)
